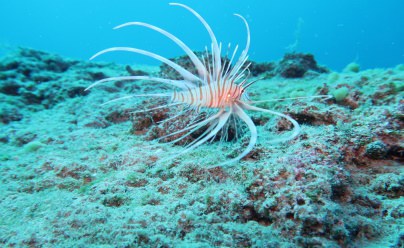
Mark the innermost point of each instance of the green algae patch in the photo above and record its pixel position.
(333, 77)
(340, 93)
(33, 146)
(352, 67)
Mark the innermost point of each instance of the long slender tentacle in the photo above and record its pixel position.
(215, 50)
(325, 97)
(195, 60)
(201, 136)
(137, 95)
(177, 83)
(243, 57)
(296, 126)
(184, 150)
(186, 74)
(253, 132)
(159, 107)
(221, 121)
(194, 127)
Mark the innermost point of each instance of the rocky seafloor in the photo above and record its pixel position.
(77, 174)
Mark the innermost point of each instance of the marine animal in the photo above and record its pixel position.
(219, 86)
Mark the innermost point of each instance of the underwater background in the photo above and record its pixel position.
(337, 32)
(75, 172)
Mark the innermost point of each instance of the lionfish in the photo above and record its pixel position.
(219, 86)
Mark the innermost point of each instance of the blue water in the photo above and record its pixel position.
(370, 33)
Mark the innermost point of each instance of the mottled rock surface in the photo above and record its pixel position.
(77, 173)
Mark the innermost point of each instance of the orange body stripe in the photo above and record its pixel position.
(175, 95)
(192, 96)
(200, 92)
(219, 95)
(209, 104)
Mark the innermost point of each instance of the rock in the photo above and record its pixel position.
(376, 150)
(295, 65)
